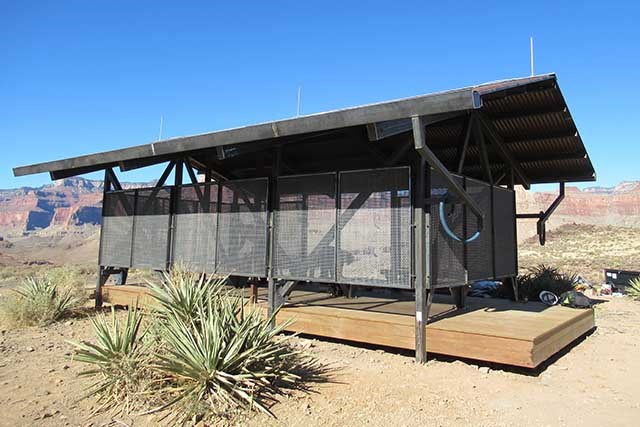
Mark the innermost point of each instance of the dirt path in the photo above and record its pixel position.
(595, 383)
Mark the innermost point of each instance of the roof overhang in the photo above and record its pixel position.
(528, 114)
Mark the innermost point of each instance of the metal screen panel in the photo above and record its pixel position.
(151, 228)
(480, 251)
(305, 219)
(195, 221)
(446, 254)
(116, 229)
(374, 231)
(505, 238)
(242, 228)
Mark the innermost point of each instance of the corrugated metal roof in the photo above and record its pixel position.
(529, 114)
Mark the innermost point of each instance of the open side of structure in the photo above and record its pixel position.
(414, 194)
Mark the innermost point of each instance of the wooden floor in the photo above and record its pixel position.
(493, 330)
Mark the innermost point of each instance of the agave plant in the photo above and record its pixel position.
(633, 289)
(117, 359)
(225, 358)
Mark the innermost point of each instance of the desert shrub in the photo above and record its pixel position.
(633, 289)
(72, 279)
(38, 302)
(208, 355)
(118, 361)
(544, 278)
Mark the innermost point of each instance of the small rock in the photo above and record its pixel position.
(66, 367)
(30, 349)
(69, 323)
(483, 370)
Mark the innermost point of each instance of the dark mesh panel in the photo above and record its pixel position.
(151, 228)
(374, 241)
(242, 228)
(305, 217)
(479, 252)
(116, 231)
(194, 241)
(446, 254)
(505, 240)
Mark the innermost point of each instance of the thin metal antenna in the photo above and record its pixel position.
(531, 53)
(299, 94)
(161, 123)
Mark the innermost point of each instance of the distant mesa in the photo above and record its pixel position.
(63, 203)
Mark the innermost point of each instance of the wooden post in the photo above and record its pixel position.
(512, 186)
(421, 246)
(173, 209)
(106, 187)
(271, 206)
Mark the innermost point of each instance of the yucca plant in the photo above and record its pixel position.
(118, 360)
(38, 301)
(225, 359)
(182, 293)
(633, 289)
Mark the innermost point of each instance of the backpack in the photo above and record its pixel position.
(575, 299)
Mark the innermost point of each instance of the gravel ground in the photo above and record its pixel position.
(595, 382)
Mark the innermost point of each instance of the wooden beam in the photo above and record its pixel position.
(442, 102)
(194, 181)
(465, 144)
(113, 179)
(165, 174)
(498, 143)
(434, 162)
(484, 155)
(386, 129)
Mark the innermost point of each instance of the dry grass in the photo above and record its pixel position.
(585, 250)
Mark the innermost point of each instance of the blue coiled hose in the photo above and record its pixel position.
(445, 226)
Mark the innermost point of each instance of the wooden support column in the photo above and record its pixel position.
(106, 187)
(175, 197)
(514, 280)
(420, 265)
(422, 262)
(271, 206)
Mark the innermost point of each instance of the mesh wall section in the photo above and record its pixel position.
(242, 228)
(151, 228)
(305, 219)
(374, 232)
(116, 230)
(446, 254)
(505, 238)
(195, 221)
(480, 251)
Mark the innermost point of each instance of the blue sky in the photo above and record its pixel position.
(78, 77)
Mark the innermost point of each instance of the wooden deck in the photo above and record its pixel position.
(492, 330)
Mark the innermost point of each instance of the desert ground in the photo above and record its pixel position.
(593, 382)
